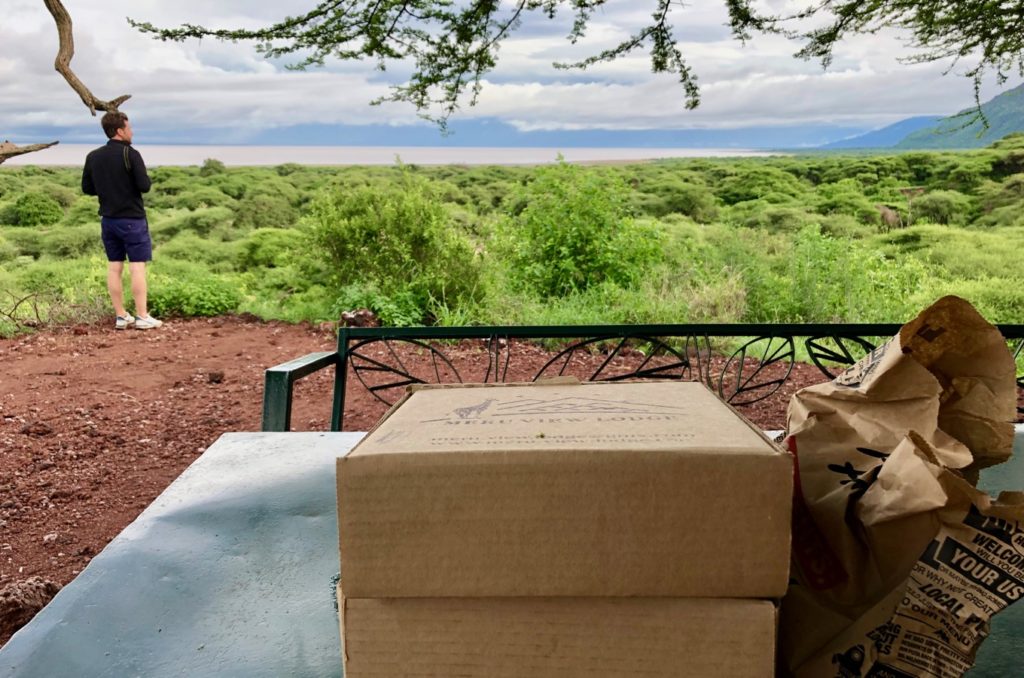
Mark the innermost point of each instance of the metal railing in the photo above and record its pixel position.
(743, 363)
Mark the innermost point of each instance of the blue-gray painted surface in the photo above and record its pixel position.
(229, 573)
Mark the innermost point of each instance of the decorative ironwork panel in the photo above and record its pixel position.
(843, 351)
(382, 372)
(747, 377)
(745, 364)
(658, 360)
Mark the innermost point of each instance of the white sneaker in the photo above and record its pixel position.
(147, 323)
(123, 322)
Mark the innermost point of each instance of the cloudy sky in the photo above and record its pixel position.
(181, 87)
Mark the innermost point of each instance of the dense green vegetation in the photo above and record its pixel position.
(821, 238)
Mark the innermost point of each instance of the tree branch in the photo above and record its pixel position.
(9, 150)
(65, 53)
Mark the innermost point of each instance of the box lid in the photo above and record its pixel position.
(603, 417)
(623, 489)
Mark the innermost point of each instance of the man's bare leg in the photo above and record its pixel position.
(114, 271)
(137, 270)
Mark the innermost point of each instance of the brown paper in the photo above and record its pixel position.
(882, 452)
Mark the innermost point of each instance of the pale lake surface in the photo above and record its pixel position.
(74, 154)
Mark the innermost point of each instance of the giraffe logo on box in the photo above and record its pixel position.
(472, 410)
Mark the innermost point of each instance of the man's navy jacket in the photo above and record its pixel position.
(117, 174)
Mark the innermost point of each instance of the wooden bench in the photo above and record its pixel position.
(743, 363)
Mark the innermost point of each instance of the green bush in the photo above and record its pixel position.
(397, 239)
(1005, 216)
(212, 166)
(1000, 194)
(394, 309)
(845, 226)
(36, 209)
(823, 279)
(757, 181)
(168, 185)
(200, 197)
(573, 233)
(279, 285)
(202, 222)
(8, 251)
(187, 246)
(669, 195)
(956, 252)
(967, 173)
(602, 304)
(846, 197)
(85, 210)
(264, 211)
(780, 218)
(233, 184)
(64, 195)
(943, 207)
(275, 187)
(71, 280)
(310, 305)
(68, 242)
(1010, 162)
(28, 241)
(268, 248)
(998, 300)
(10, 183)
(193, 295)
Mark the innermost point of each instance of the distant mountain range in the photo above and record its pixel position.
(886, 136)
(496, 133)
(1005, 114)
(478, 132)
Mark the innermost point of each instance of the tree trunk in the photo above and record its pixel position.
(65, 52)
(9, 150)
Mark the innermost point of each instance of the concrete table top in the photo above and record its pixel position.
(230, 572)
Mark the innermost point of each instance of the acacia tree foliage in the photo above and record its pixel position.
(452, 44)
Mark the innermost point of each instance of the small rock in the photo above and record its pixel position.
(37, 428)
(20, 601)
(50, 538)
(215, 377)
(362, 317)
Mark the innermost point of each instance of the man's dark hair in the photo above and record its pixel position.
(113, 121)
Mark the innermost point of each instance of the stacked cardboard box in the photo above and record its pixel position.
(561, 530)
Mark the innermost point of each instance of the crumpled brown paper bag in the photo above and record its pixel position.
(884, 518)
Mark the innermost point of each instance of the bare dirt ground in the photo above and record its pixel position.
(95, 423)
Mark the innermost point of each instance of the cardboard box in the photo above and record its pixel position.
(558, 637)
(613, 489)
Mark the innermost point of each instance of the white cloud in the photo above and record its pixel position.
(213, 84)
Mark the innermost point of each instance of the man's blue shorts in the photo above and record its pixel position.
(126, 237)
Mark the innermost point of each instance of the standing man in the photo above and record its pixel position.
(117, 174)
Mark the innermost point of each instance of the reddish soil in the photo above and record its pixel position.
(95, 423)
